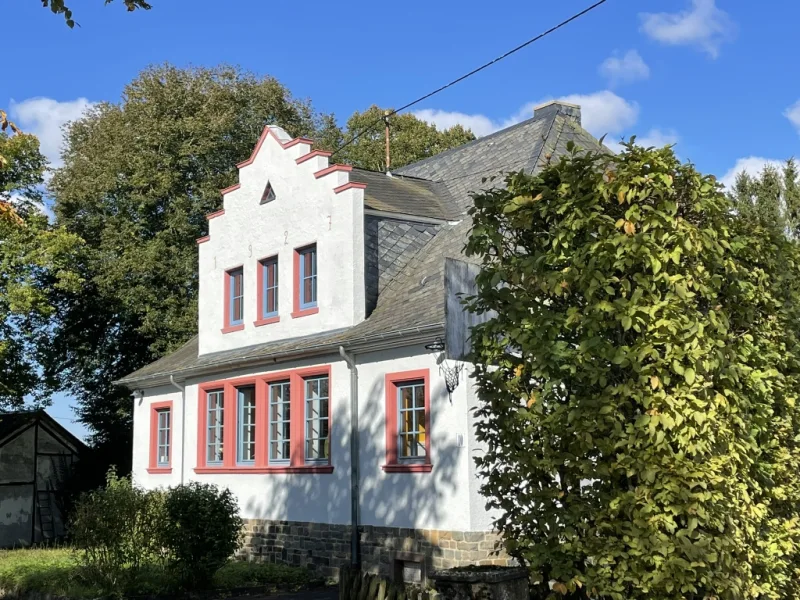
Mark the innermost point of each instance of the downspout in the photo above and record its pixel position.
(183, 421)
(355, 495)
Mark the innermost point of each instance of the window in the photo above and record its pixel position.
(317, 411)
(269, 288)
(408, 422)
(160, 437)
(246, 411)
(268, 195)
(279, 421)
(307, 283)
(411, 421)
(234, 300)
(162, 455)
(214, 427)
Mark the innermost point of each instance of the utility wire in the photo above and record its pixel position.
(466, 75)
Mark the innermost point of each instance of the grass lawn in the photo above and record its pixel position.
(57, 572)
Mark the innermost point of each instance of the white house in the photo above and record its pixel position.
(317, 386)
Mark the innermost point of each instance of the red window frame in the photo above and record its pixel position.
(228, 328)
(261, 283)
(297, 463)
(393, 463)
(155, 408)
(303, 312)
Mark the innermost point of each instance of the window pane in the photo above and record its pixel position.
(279, 419)
(246, 450)
(214, 429)
(317, 419)
(411, 423)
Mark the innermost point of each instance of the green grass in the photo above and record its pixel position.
(58, 572)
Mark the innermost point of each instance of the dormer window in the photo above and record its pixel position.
(268, 195)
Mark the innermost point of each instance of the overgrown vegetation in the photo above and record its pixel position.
(58, 572)
(126, 537)
(638, 381)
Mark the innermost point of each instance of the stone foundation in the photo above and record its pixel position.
(384, 550)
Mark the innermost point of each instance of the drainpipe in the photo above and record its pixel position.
(355, 495)
(183, 421)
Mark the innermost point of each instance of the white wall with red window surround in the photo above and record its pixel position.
(444, 498)
(310, 207)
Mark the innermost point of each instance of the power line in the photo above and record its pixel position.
(470, 74)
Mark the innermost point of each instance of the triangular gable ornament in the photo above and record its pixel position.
(268, 195)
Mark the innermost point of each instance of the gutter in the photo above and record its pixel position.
(355, 494)
(183, 423)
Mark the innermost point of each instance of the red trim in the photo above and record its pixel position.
(266, 470)
(230, 188)
(260, 292)
(155, 407)
(269, 321)
(311, 155)
(267, 131)
(332, 169)
(297, 464)
(350, 185)
(214, 215)
(226, 302)
(203, 239)
(393, 464)
(296, 311)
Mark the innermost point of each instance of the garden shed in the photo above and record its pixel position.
(36, 458)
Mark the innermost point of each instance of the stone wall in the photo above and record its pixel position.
(325, 548)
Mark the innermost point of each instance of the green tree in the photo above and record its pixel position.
(139, 176)
(637, 380)
(33, 257)
(772, 198)
(410, 139)
(58, 7)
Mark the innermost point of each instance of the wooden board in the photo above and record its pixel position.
(459, 282)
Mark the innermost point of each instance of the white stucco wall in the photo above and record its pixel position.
(306, 211)
(441, 499)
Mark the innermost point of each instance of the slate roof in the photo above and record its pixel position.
(405, 195)
(412, 301)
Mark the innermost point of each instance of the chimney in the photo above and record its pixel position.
(570, 111)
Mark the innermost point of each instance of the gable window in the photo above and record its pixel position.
(234, 300)
(305, 300)
(246, 428)
(267, 291)
(317, 417)
(268, 195)
(160, 438)
(214, 426)
(279, 421)
(408, 422)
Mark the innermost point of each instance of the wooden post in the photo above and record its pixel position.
(386, 121)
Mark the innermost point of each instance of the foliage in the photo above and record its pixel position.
(410, 139)
(771, 199)
(119, 530)
(638, 377)
(58, 7)
(203, 530)
(58, 573)
(34, 258)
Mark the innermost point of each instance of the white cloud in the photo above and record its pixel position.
(704, 26)
(45, 117)
(752, 165)
(658, 138)
(624, 69)
(601, 112)
(793, 114)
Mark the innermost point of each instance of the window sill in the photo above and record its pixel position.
(311, 469)
(267, 321)
(305, 312)
(159, 470)
(410, 468)
(232, 328)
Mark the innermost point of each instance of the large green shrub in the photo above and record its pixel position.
(638, 381)
(203, 530)
(119, 530)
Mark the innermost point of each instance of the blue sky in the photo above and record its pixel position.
(717, 77)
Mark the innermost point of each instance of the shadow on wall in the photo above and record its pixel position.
(402, 501)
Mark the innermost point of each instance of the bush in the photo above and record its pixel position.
(118, 530)
(203, 531)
